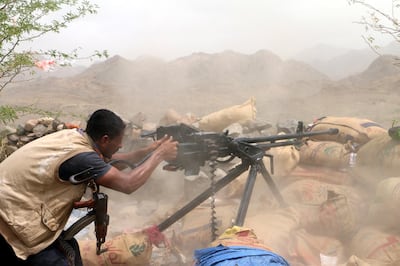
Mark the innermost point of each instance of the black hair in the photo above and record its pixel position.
(104, 122)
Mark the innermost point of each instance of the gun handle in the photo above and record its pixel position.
(82, 204)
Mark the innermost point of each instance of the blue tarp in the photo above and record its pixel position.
(237, 256)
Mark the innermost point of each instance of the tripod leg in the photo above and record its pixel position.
(271, 184)
(238, 170)
(244, 203)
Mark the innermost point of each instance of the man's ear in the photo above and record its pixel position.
(104, 139)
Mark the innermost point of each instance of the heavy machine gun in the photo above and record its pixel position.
(196, 147)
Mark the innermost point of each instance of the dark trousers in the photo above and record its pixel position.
(60, 253)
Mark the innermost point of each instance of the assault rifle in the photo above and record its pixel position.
(197, 147)
(97, 206)
(97, 213)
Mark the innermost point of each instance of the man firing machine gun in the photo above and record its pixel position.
(195, 149)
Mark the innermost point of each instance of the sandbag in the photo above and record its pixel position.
(318, 173)
(172, 117)
(388, 191)
(327, 209)
(386, 203)
(125, 249)
(239, 236)
(194, 230)
(371, 243)
(357, 130)
(376, 160)
(219, 120)
(285, 159)
(382, 152)
(315, 250)
(356, 261)
(324, 153)
(275, 228)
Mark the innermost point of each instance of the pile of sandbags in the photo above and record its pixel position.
(334, 150)
(329, 203)
(377, 242)
(329, 218)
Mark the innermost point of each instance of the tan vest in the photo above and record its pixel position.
(34, 203)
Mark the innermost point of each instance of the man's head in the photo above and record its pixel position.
(107, 130)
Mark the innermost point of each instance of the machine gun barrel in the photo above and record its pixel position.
(300, 135)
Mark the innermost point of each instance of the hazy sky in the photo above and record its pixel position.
(176, 28)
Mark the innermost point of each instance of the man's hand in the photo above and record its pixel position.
(167, 148)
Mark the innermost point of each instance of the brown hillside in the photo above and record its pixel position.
(202, 83)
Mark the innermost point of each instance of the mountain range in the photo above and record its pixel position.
(201, 83)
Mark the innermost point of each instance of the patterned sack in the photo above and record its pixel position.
(125, 249)
(374, 244)
(327, 209)
(358, 130)
(324, 153)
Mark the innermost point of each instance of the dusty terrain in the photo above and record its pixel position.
(283, 90)
(203, 83)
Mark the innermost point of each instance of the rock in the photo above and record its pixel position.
(46, 121)
(39, 130)
(25, 139)
(30, 124)
(20, 130)
(13, 138)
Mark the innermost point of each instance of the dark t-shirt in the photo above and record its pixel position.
(81, 162)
